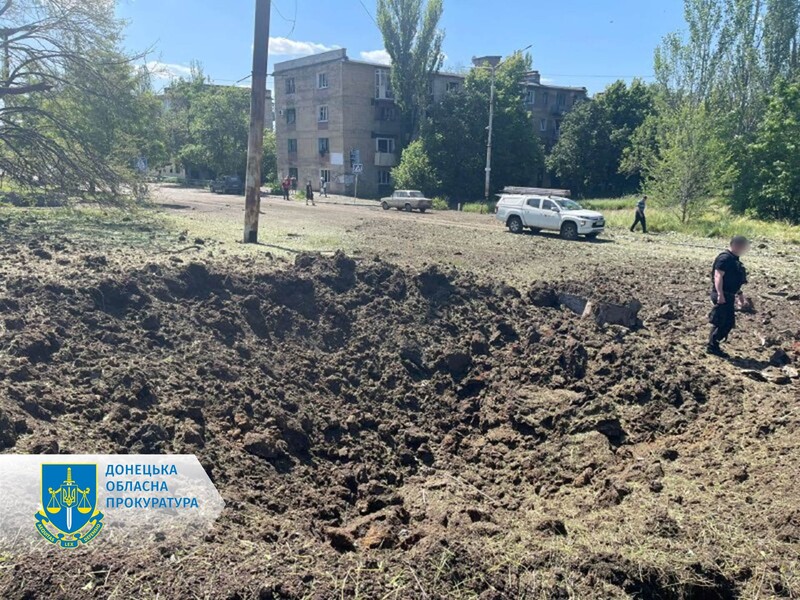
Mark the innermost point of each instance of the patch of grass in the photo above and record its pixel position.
(113, 226)
(716, 222)
(282, 238)
(486, 208)
(610, 204)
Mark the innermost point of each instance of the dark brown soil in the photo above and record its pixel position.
(387, 432)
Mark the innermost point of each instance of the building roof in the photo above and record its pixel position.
(340, 54)
(549, 86)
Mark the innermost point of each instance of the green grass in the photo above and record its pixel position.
(486, 208)
(114, 226)
(716, 222)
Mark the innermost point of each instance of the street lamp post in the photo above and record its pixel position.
(490, 62)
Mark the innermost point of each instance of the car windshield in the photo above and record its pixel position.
(414, 194)
(567, 204)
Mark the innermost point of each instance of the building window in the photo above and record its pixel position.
(530, 97)
(561, 100)
(292, 146)
(322, 81)
(387, 113)
(325, 175)
(575, 99)
(294, 173)
(322, 114)
(558, 127)
(383, 84)
(452, 86)
(291, 116)
(324, 145)
(384, 177)
(290, 87)
(542, 124)
(545, 98)
(384, 145)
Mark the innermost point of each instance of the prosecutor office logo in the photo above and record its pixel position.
(69, 514)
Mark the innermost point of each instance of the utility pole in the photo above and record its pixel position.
(488, 189)
(258, 105)
(491, 63)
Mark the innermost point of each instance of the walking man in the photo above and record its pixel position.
(641, 206)
(728, 275)
(285, 185)
(310, 194)
(323, 186)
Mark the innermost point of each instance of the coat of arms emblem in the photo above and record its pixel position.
(69, 515)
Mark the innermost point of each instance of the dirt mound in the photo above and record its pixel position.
(376, 429)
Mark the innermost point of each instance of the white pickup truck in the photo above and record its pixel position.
(538, 213)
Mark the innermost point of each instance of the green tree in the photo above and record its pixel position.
(53, 54)
(594, 135)
(770, 185)
(207, 127)
(120, 121)
(415, 170)
(218, 131)
(453, 136)
(781, 38)
(681, 149)
(414, 43)
(691, 164)
(269, 164)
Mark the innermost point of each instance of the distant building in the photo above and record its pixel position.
(548, 105)
(333, 113)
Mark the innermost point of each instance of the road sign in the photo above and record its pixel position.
(358, 168)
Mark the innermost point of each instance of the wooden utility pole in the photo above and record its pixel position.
(258, 105)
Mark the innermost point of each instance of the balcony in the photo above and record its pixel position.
(385, 159)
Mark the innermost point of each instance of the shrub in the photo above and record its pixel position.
(440, 203)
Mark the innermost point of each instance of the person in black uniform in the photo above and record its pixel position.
(728, 275)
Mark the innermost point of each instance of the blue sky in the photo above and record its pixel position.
(577, 42)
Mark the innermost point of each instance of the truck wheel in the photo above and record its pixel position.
(408, 208)
(385, 206)
(514, 225)
(569, 231)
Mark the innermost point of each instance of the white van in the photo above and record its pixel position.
(549, 213)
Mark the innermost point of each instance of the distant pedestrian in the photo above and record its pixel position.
(641, 207)
(310, 194)
(285, 185)
(728, 275)
(323, 186)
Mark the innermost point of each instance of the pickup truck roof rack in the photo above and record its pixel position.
(550, 193)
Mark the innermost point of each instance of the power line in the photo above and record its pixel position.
(366, 10)
(293, 20)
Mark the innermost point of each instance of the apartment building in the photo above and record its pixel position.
(333, 113)
(548, 104)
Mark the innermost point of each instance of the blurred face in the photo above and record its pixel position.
(740, 249)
